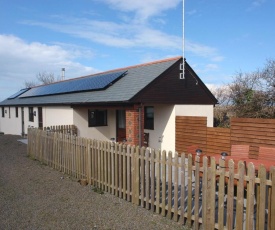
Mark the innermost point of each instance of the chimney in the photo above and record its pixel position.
(63, 74)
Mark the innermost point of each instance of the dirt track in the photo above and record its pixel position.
(34, 196)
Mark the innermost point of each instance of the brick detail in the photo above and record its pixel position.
(132, 126)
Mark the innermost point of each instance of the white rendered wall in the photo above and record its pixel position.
(103, 133)
(196, 111)
(51, 116)
(163, 135)
(56, 115)
(11, 124)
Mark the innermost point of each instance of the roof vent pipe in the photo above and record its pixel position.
(63, 74)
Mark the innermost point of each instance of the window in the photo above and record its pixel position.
(16, 111)
(9, 112)
(3, 111)
(149, 117)
(97, 118)
(30, 113)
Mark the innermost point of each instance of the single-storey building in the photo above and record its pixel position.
(120, 104)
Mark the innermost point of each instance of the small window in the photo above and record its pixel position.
(3, 111)
(97, 118)
(9, 112)
(30, 113)
(149, 117)
(16, 111)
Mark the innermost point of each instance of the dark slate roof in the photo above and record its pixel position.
(136, 78)
(89, 83)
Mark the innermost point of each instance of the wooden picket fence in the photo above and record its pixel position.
(196, 194)
(67, 129)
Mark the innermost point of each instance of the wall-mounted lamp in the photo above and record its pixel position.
(198, 152)
(34, 113)
(48, 130)
(224, 155)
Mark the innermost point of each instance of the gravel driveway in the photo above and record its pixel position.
(34, 196)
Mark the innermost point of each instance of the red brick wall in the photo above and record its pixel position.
(132, 126)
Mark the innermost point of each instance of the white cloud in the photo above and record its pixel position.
(143, 9)
(191, 12)
(203, 51)
(21, 61)
(255, 4)
(113, 34)
(211, 67)
(202, 69)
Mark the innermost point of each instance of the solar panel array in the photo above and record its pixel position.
(18, 93)
(98, 82)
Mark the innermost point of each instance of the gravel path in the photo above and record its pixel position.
(34, 196)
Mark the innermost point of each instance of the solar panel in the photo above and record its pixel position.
(98, 82)
(18, 93)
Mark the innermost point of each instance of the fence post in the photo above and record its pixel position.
(250, 196)
(262, 197)
(230, 195)
(176, 187)
(29, 142)
(153, 176)
(209, 190)
(163, 181)
(169, 204)
(89, 165)
(124, 172)
(142, 176)
(189, 191)
(272, 199)
(158, 158)
(221, 193)
(109, 166)
(136, 176)
(197, 192)
(113, 166)
(182, 191)
(129, 174)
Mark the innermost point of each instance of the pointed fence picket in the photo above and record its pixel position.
(214, 196)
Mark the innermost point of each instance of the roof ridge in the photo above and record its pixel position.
(130, 67)
(146, 63)
(114, 70)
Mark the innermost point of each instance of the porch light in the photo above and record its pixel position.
(48, 130)
(198, 152)
(224, 154)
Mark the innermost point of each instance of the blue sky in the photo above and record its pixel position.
(222, 37)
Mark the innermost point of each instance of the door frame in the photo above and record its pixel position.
(120, 131)
(22, 121)
(40, 117)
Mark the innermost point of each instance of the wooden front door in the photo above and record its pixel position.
(22, 121)
(121, 125)
(40, 118)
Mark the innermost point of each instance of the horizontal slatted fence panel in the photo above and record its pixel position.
(190, 131)
(254, 132)
(218, 140)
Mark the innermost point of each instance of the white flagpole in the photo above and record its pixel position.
(182, 75)
(183, 37)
